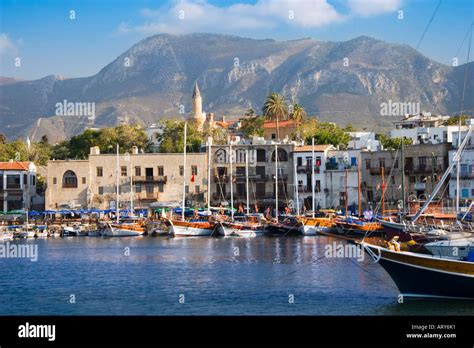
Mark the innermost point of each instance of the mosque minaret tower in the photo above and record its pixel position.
(197, 114)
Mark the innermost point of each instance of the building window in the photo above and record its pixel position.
(260, 171)
(196, 189)
(396, 164)
(240, 171)
(261, 155)
(181, 170)
(100, 171)
(55, 181)
(149, 188)
(161, 187)
(138, 188)
(186, 189)
(33, 178)
(318, 186)
(101, 190)
(273, 136)
(299, 161)
(123, 170)
(367, 164)
(13, 181)
(69, 179)
(194, 170)
(138, 171)
(161, 171)
(83, 180)
(25, 179)
(381, 162)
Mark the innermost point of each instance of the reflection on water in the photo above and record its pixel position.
(217, 276)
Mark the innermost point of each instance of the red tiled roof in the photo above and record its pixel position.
(281, 124)
(14, 165)
(317, 148)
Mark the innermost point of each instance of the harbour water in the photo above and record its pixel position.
(201, 276)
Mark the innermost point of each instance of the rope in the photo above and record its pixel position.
(428, 25)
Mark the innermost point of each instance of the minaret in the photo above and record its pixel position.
(197, 107)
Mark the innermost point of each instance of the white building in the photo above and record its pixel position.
(363, 141)
(426, 129)
(341, 176)
(302, 157)
(466, 182)
(17, 185)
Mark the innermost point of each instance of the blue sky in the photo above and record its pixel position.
(48, 42)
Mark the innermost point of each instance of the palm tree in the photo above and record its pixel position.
(274, 109)
(299, 114)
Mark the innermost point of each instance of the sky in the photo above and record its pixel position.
(77, 38)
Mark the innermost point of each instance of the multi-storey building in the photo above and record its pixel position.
(424, 165)
(17, 185)
(154, 177)
(303, 158)
(261, 173)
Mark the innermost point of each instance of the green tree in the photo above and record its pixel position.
(454, 120)
(252, 126)
(298, 114)
(172, 138)
(392, 143)
(275, 109)
(323, 133)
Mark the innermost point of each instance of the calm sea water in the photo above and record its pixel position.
(217, 276)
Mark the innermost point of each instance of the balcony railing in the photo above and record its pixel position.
(423, 169)
(155, 178)
(307, 169)
(378, 170)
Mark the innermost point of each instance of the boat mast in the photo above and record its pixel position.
(296, 188)
(358, 189)
(247, 178)
(382, 172)
(402, 160)
(131, 189)
(312, 178)
(184, 172)
(209, 144)
(276, 182)
(117, 209)
(347, 192)
(458, 169)
(231, 183)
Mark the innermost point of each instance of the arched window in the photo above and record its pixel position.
(282, 156)
(221, 156)
(69, 179)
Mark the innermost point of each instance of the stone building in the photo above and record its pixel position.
(261, 173)
(155, 177)
(424, 166)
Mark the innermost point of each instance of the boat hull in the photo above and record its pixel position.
(284, 230)
(192, 229)
(418, 275)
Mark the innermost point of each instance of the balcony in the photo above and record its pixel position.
(304, 189)
(307, 169)
(422, 169)
(466, 175)
(158, 178)
(378, 170)
(147, 196)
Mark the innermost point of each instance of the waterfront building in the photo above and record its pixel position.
(302, 157)
(155, 177)
(424, 165)
(466, 177)
(261, 173)
(342, 179)
(17, 185)
(363, 141)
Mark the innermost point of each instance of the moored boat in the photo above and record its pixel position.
(192, 228)
(421, 275)
(288, 226)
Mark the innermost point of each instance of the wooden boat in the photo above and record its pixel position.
(349, 225)
(192, 228)
(288, 226)
(421, 275)
(120, 231)
(313, 226)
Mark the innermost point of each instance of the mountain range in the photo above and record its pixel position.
(344, 82)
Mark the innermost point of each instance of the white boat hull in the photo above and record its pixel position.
(187, 231)
(114, 232)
